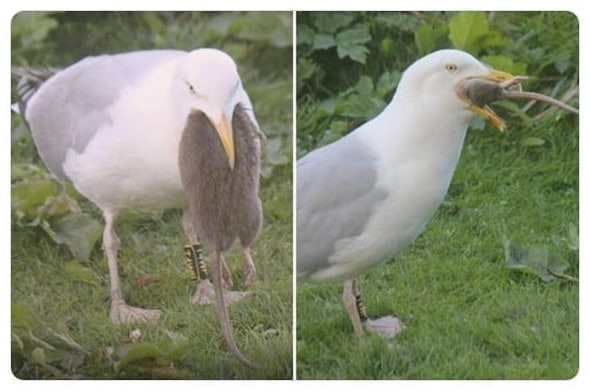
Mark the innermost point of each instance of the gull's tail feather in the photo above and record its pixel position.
(29, 82)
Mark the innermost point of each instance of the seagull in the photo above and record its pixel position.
(112, 125)
(367, 196)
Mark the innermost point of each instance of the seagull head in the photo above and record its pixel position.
(441, 77)
(206, 80)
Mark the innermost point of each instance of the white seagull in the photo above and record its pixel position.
(112, 125)
(367, 196)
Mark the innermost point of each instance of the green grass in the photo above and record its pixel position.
(50, 293)
(467, 315)
(43, 287)
(55, 297)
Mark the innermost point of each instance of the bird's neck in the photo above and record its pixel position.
(405, 133)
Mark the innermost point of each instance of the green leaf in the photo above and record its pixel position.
(365, 86)
(31, 28)
(505, 64)
(330, 22)
(493, 39)
(29, 196)
(306, 69)
(532, 142)
(22, 171)
(323, 41)
(535, 261)
(38, 356)
(573, 237)
(138, 352)
(502, 63)
(339, 127)
(274, 153)
(58, 206)
(79, 232)
(424, 39)
(400, 20)
(467, 30)
(326, 107)
(350, 43)
(305, 35)
(387, 47)
(387, 82)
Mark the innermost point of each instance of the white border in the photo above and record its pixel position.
(9, 9)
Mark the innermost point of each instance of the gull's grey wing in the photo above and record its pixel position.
(336, 194)
(70, 107)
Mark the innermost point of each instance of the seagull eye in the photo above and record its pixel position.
(191, 88)
(451, 68)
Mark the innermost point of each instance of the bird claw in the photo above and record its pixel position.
(122, 313)
(205, 294)
(387, 326)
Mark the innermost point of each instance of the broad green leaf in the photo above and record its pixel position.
(387, 82)
(306, 69)
(29, 196)
(357, 53)
(329, 137)
(387, 47)
(477, 123)
(424, 39)
(21, 171)
(400, 20)
(493, 39)
(79, 232)
(323, 41)
(535, 261)
(505, 64)
(31, 28)
(305, 35)
(326, 107)
(532, 142)
(365, 86)
(38, 356)
(58, 206)
(573, 237)
(138, 352)
(330, 22)
(501, 63)
(339, 127)
(350, 43)
(274, 153)
(467, 30)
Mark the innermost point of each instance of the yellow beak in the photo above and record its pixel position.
(225, 131)
(485, 111)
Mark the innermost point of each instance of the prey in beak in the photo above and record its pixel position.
(477, 92)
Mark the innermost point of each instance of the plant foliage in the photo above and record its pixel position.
(349, 63)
